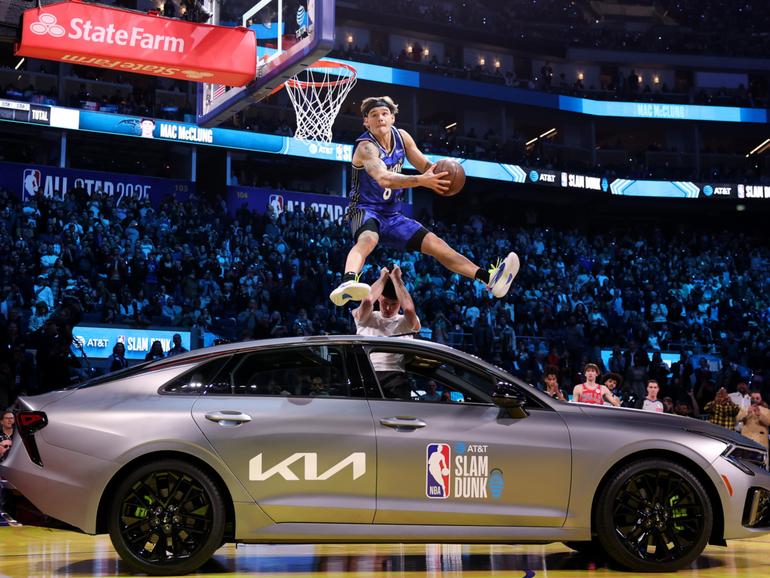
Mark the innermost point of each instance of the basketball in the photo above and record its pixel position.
(445, 472)
(456, 176)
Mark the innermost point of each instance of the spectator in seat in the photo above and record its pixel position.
(721, 410)
(156, 351)
(178, 347)
(683, 408)
(318, 388)
(172, 311)
(755, 420)
(7, 428)
(39, 317)
(741, 396)
(551, 382)
(43, 292)
(431, 392)
(5, 446)
(613, 381)
(118, 358)
(703, 373)
(591, 391)
(617, 362)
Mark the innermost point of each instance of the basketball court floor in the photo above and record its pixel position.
(40, 551)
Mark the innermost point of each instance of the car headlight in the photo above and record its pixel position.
(741, 457)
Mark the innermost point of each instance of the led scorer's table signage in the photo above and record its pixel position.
(130, 41)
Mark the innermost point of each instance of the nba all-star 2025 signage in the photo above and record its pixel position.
(124, 40)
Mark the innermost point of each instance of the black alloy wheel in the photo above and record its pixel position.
(654, 516)
(167, 518)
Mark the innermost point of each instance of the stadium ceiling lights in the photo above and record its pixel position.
(547, 134)
(760, 148)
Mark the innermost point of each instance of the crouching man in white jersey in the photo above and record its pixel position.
(391, 293)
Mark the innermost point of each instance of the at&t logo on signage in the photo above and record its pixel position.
(537, 177)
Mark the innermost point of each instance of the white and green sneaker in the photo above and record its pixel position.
(501, 276)
(349, 291)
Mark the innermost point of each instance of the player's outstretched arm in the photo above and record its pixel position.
(407, 304)
(367, 155)
(363, 311)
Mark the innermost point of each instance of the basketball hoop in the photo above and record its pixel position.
(317, 94)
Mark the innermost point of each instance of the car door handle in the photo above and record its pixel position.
(403, 422)
(228, 418)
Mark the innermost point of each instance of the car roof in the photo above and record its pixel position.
(256, 344)
(213, 352)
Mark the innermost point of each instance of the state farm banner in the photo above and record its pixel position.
(105, 37)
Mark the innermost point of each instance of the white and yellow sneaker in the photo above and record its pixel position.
(349, 291)
(501, 276)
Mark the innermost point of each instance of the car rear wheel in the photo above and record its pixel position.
(654, 516)
(167, 517)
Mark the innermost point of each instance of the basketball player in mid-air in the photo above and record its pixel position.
(375, 214)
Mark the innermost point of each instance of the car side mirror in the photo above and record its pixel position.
(508, 398)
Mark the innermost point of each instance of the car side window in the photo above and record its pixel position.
(312, 371)
(195, 381)
(430, 379)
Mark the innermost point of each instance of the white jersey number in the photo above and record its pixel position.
(386, 194)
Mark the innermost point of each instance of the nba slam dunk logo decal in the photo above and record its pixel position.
(466, 476)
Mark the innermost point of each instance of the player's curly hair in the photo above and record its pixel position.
(376, 101)
(551, 370)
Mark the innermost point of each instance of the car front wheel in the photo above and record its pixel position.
(654, 516)
(166, 518)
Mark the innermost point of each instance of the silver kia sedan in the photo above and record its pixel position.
(304, 440)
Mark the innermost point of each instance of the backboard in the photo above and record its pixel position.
(291, 35)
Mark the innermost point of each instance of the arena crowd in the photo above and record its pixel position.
(637, 289)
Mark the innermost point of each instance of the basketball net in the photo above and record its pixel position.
(317, 94)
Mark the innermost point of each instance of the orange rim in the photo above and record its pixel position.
(294, 83)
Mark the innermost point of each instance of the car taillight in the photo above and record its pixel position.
(28, 423)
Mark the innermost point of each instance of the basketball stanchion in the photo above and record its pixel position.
(317, 94)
